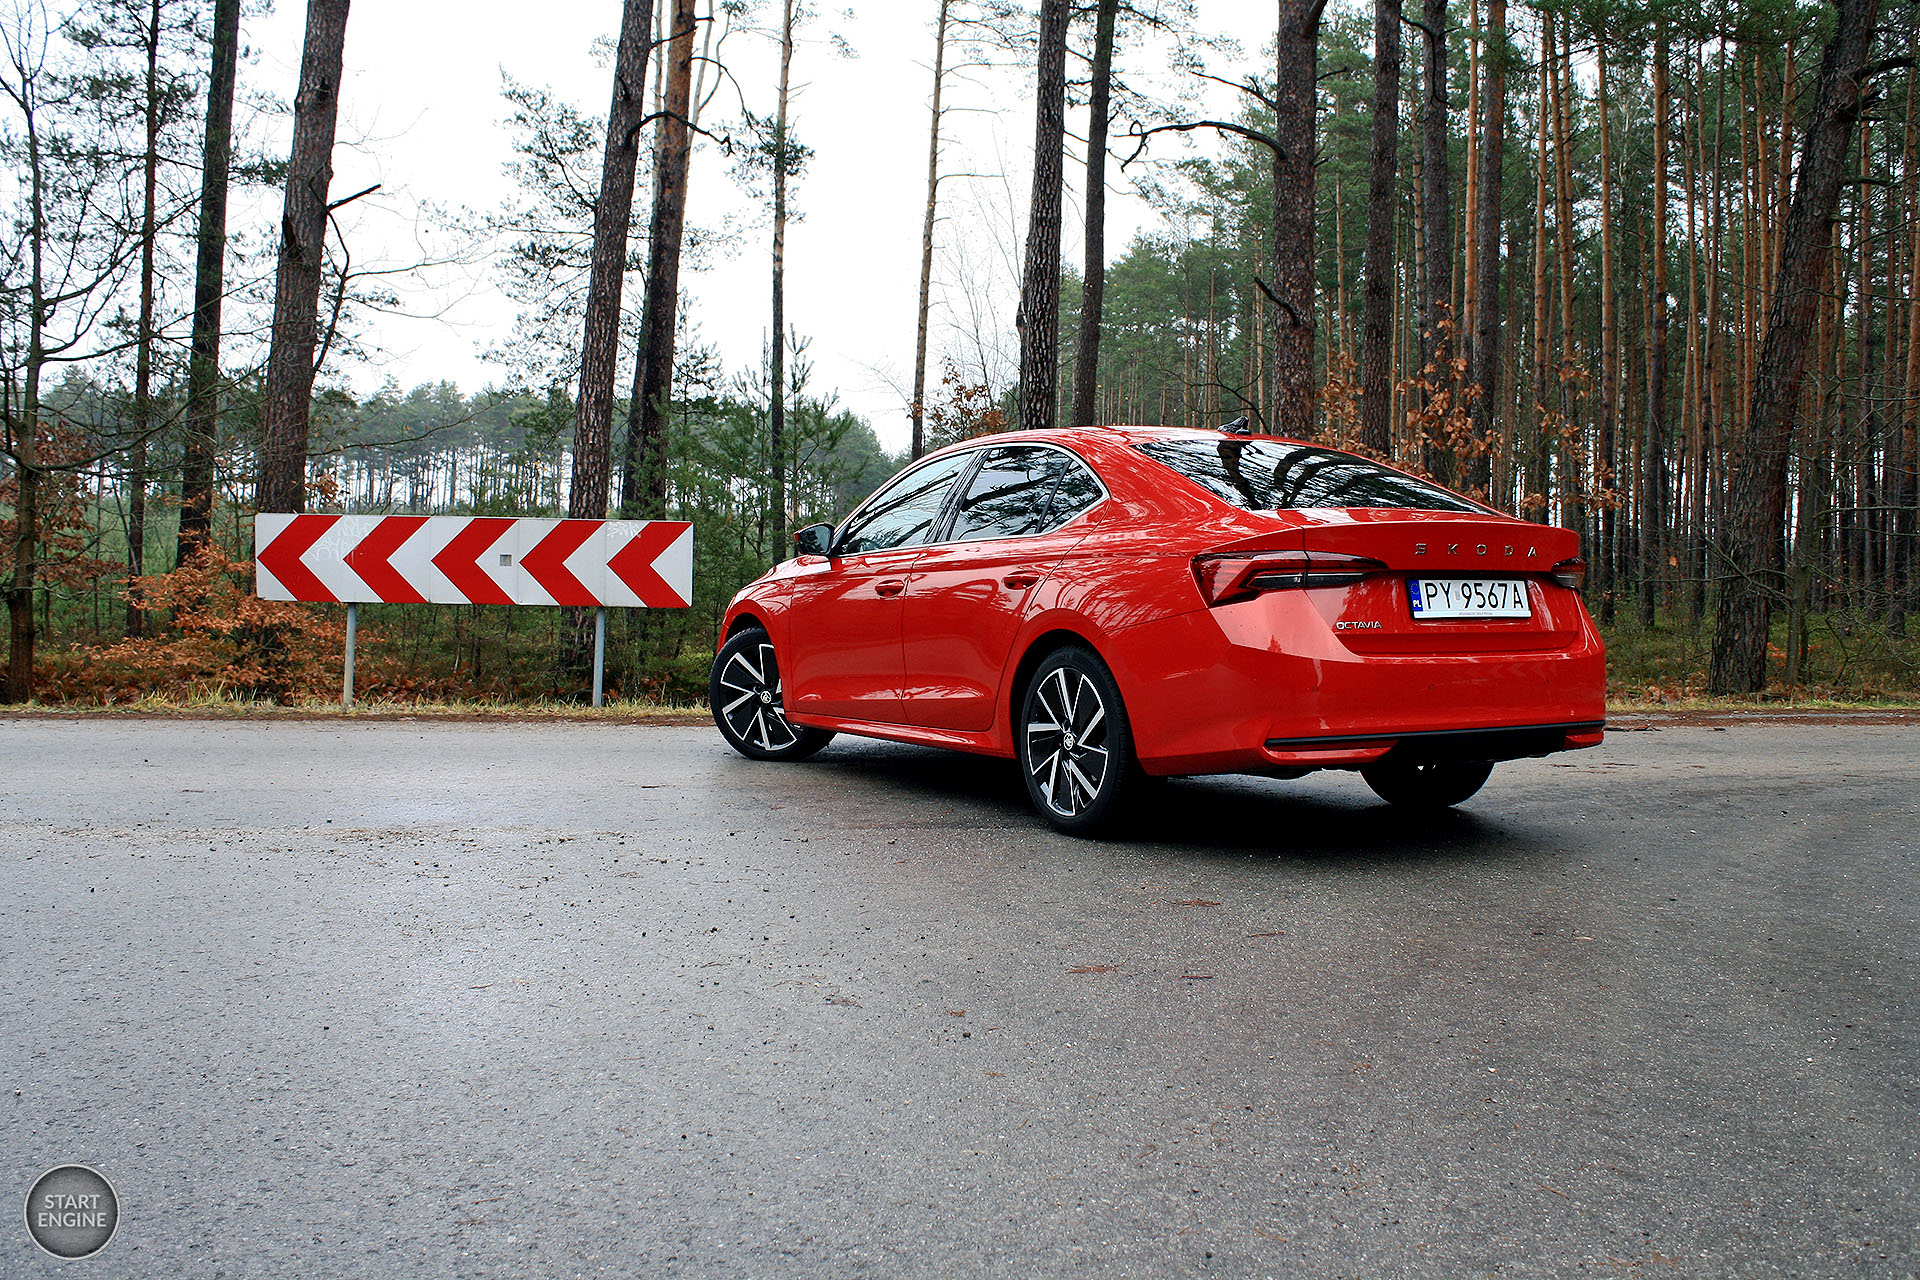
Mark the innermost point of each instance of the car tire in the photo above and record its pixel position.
(1433, 784)
(744, 693)
(1074, 742)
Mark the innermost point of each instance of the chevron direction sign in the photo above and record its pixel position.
(474, 560)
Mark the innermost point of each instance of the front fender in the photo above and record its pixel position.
(764, 600)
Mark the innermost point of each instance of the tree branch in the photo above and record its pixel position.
(1278, 301)
(347, 200)
(675, 115)
(1418, 25)
(1247, 87)
(339, 294)
(1253, 135)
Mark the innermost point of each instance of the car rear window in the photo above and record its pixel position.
(1271, 475)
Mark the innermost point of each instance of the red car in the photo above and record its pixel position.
(1102, 603)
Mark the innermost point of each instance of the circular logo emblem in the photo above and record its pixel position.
(72, 1212)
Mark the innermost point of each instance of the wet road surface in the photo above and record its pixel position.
(404, 998)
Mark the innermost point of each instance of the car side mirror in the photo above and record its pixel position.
(814, 540)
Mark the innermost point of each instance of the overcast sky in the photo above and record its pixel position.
(422, 115)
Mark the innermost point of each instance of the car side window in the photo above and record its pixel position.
(1010, 494)
(1018, 491)
(1076, 490)
(905, 513)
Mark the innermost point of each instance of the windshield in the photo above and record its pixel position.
(1272, 475)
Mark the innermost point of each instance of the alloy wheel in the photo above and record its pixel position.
(749, 704)
(1067, 749)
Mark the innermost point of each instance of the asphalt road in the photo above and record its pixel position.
(404, 998)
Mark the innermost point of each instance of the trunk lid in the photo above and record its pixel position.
(1375, 616)
(1441, 543)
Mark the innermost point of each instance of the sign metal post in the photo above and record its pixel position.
(346, 672)
(599, 652)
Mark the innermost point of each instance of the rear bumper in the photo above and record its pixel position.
(1503, 742)
(1208, 693)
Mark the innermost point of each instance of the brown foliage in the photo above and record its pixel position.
(66, 540)
(222, 640)
(966, 410)
(1440, 417)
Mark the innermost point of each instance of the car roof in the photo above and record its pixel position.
(1128, 434)
(1125, 433)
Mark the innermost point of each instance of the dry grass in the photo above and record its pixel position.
(221, 706)
(1760, 704)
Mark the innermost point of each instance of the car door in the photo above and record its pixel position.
(843, 632)
(966, 595)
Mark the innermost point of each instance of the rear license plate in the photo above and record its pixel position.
(1469, 598)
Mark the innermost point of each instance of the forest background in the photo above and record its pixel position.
(1644, 270)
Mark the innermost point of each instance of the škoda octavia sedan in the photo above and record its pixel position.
(1102, 603)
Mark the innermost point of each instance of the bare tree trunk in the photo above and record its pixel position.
(1086, 364)
(1376, 306)
(606, 275)
(1653, 473)
(1717, 358)
(777, 410)
(643, 483)
(1906, 437)
(1865, 482)
(1758, 500)
(1806, 541)
(1609, 349)
(1296, 106)
(1573, 476)
(209, 284)
(24, 432)
(21, 633)
(143, 337)
(918, 410)
(1437, 321)
(1484, 362)
(303, 230)
(1540, 471)
(1038, 318)
(1470, 204)
(1697, 364)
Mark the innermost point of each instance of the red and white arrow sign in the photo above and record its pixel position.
(474, 560)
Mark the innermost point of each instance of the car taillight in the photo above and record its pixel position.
(1571, 574)
(1225, 577)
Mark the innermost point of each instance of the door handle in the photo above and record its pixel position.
(1022, 580)
(890, 586)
